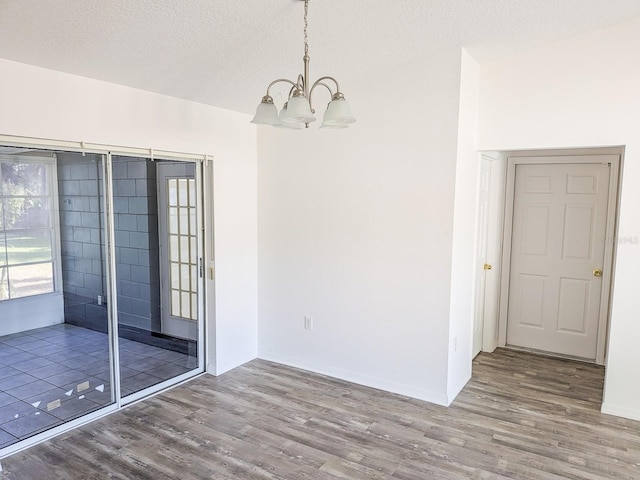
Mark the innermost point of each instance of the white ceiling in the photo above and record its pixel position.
(225, 52)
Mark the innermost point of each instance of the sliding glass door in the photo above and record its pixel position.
(156, 211)
(55, 362)
(100, 285)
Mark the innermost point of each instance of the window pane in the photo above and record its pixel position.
(173, 220)
(174, 250)
(28, 247)
(184, 249)
(26, 213)
(192, 192)
(19, 179)
(185, 283)
(186, 305)
(182, 192)
(175, 303)
(31, 279)
(3, 250)
(4, 284)
(172, 187)
(194, 250)
(175, 275)
(184, 221)
(194, 306)
(192, 220)
(194, 277)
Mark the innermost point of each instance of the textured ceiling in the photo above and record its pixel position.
(225, 52)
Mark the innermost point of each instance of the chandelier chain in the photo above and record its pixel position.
(306, 26)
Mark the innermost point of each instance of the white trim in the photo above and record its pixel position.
(159, 387)
(613, 158)
(200, 239)
(624, 412)
(209, 291)
(112, 301)
(361, 379)
(103, 412)
(55, 431)
(98, 148)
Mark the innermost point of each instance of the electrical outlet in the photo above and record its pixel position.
(308, 322)
(99, 299)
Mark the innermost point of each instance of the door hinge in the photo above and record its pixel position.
(201, 269)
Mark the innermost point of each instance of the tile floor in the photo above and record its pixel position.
(54, 374)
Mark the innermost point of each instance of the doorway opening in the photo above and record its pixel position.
(551, 255)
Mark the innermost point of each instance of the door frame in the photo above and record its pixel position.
(564, 156)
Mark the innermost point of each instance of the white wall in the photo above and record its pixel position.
(464, 231)
(580, 93)
(355, 229)
(41, 103)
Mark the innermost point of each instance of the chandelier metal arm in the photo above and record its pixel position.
(286, 80)
(316, 84)
(327, 78)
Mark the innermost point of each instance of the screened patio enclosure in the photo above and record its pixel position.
(101, 287)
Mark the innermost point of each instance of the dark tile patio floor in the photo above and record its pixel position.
(54, 374)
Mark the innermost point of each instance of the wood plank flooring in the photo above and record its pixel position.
(521, 417)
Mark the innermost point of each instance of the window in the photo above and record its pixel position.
(26, 228)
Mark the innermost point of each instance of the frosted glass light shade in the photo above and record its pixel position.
(284, 124)
(266, 114)
(298, 111)
(294, 126)
(338, 113)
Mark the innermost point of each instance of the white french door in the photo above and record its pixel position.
(180, 261)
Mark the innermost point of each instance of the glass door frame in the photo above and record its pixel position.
(136, 396)
(107, 151)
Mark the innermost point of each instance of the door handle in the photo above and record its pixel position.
(487, 266)
(597, 272)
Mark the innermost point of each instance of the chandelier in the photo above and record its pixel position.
(298, 109)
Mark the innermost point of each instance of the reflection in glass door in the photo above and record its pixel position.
(158, 341)
(85, 240)
(55, 362)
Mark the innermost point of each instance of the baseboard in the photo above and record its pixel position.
(624, 412)
(358, 378)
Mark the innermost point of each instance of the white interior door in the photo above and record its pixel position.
(482, 266)
(557, 256)
(179, 257)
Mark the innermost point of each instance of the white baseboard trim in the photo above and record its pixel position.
(358, 378)
(624, 412)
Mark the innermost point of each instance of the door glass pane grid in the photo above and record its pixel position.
(181, 214)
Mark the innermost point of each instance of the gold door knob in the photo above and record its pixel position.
(597, 272)
(487, 266)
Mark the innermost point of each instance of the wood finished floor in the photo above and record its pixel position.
(520, 417)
